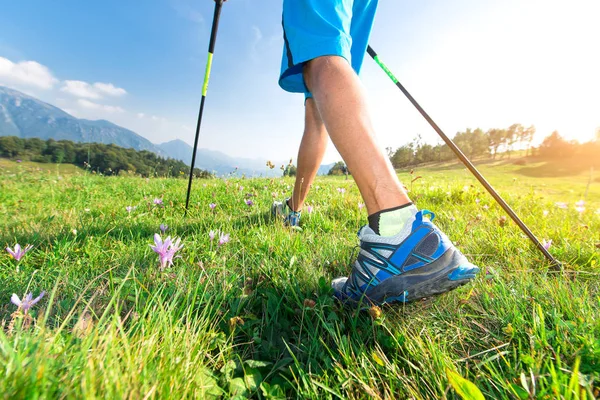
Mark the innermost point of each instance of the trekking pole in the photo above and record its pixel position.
(211, 49)
(554, 263)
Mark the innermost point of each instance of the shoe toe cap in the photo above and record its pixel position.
(338, 285)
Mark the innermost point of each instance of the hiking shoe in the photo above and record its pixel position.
(280, 209)
(418, 262)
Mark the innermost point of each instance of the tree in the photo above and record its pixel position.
(339, 168)
(425, 153)
(480, 143)
(102, 158)
(474, 143)
(513, 134)
(528, 134)
(35, 145)
(10, 146)
(403, 157)
(554, 146)
(390, 152)
(290, 170)
(463, 141)
(497, 138)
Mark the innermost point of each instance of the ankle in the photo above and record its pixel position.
(390, 221)
(288, 203)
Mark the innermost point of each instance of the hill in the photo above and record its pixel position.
(26, 117)
(216, 161)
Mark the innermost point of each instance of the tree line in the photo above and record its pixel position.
(106, 159)
(476, 143)
(555, 146)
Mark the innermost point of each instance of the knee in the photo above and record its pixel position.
(315, 69)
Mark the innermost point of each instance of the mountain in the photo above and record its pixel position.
(26, 117)
(213, 160)
(324, 169)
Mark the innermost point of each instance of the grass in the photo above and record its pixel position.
(255, 318)
(9, 167)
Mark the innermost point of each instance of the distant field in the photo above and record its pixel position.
(560, 181)
(255, 317)
(10, 167)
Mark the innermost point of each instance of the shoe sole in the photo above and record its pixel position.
(448, 272)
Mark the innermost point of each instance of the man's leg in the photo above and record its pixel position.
(339, 98)
(414, 259)
(403, 255)
(310, 155)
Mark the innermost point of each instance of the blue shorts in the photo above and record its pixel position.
(315, 28)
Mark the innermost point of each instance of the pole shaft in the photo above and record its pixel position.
(211, 49)
(467, 163)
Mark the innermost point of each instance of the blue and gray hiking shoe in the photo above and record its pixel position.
(281, 209)
(418, 262)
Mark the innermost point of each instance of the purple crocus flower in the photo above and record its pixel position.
(361, 205)
(580, 203)
(211, 235)
(224, 238)
(477, 201)
(212, 206)
(561, 204)
(341, 190)
(18, 252)
(158, 201)
(166, 250)
(163, 228)
(309, 209)
(129, 209)
(18, 161)
(580, 209)
(545, 213)
(27, 302)
(249, 203)
(547, 243)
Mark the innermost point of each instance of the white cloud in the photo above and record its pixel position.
(109, 89)
(79, 89)
(161, 119)
(100, 107)
(141, 115)
(91, 91)
(29, 73)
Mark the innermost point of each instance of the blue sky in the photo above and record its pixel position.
(141, 64)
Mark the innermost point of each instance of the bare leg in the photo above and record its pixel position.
(310, 155)
(339, 98)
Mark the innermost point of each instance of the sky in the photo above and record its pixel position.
(469, 63)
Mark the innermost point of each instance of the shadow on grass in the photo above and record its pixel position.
(457, 165)
(557, 168)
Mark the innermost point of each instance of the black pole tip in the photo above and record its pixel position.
(556, 266)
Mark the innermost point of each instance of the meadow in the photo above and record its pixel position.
(251, 314)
